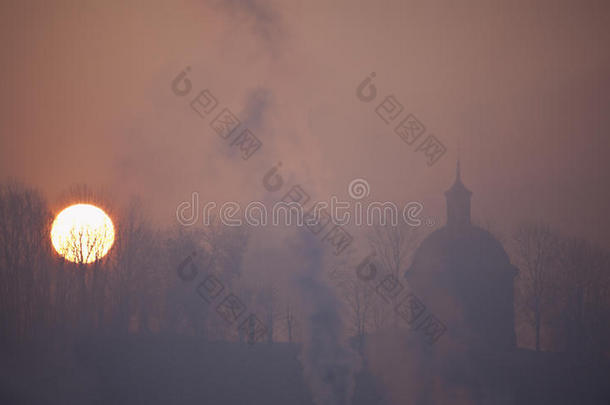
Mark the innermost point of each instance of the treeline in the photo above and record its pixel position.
(562, 291)
(134, 289)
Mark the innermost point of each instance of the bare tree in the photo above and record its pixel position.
(290, 322)
(536, 250)
(393, 247)
(360, 299)
(269, 301)
(211, 250)
(133, 280)
(24, 226)
(583, 304)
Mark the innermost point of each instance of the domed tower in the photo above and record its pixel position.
(464, 276)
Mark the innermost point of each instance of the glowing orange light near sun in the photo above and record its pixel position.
(82, 233)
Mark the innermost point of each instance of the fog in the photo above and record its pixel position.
(442, 167)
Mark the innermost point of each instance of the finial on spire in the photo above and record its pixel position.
(457, 169)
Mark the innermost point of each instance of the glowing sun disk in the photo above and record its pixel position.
(82, 233)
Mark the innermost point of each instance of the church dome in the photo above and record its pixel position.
(463, 273)
(469, 245)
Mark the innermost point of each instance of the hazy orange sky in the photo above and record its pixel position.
(523, 87)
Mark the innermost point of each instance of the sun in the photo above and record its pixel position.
(82, 233)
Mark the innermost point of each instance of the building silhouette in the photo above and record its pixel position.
(463, 273)
(464, 276)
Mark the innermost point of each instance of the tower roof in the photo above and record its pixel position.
(458, 187)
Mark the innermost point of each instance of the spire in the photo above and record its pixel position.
(457, 169)
(458, 201)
